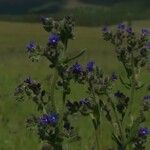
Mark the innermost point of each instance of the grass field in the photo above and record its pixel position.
(15, 66)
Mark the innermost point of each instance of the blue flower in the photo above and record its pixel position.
(145, 32)
(77, 68)
(44, 120)
(51, 119)
(84, 102)
(118, 94)
(53, 39)
(90, 66)
(147, 97)
(105, 29)
(121, 26)
(129, 30)
(148, 45)
(31, 46)
(29, 80)
(114, 76)
(143, 132)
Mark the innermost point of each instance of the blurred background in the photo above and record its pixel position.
(20, 23)
(86, 12)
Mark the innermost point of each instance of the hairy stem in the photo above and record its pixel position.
(97, 135)
(52, 90)
(132, 94)
(97, 124)
(64, 93)
(132, 85)
(119, 123)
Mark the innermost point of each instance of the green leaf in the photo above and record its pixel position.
(127, 85)
(74, 57)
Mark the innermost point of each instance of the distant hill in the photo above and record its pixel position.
(37, 6)
(24, 6)
(86, 12)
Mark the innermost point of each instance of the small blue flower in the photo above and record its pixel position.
(143, 132)
(29, 80)
(51, 119)
(44, 120)
(53, 39)
(118, 94)
(84, 102)
(105, 29)
(129, 30)
(148, 45)
(147, 97)
(114, 76)
(90, 66)
(31, 46)
(121, 26)
(77, 68)
(145, 32)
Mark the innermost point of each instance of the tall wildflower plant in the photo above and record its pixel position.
(132, 52)
(98, 86)
(52, 124)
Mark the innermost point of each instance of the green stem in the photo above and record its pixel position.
(97, 124)
(43, 106)
(119, 123)
(132, 85)
(44, 109)
(64, 93)
(64, 100)
(97, 138)
(52, 90)
(132, 94)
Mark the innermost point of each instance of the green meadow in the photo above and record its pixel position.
(15, 66)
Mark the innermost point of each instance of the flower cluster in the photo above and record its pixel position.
(143, 132)
(33, 90)
(80, 73)
(146, 103)
(31, 46)
(141, 138)
(53, 40)
(84, 106)
(122, 102)
(50, 119)
(53, 124)
(131, 49)
(94, 77)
